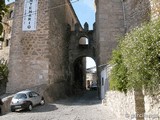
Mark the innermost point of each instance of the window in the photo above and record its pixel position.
(34, 94)
(21, 96)
(7, 42)
(11, 14)
(83, 41)
(102, 81)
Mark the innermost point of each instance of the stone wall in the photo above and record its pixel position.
(71, 16)
(132, 13)
(152, 107)
(2, 88)
(6, 106)
(123, 106)
(136, 12)
(155, 9)
(140, 11)
(28, 60)
(4, 53)
(58, 63)
(133, 105)
(109, 27)
(59, 53)
(116, 17)
(5, 45)
(40, 58)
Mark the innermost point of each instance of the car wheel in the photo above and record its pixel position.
(12, 110)
(42, 101)
(30, 107)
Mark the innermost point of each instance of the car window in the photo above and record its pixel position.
(30, 95)
(20, 96)
(35, 94)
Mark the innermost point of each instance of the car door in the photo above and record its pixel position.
(32, 98)
(36, 97)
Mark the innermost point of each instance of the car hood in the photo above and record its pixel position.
(17, 101)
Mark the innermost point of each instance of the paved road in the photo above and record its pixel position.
(80, 107)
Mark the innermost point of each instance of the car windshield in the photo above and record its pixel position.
(20, 96)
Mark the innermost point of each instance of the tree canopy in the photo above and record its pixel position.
(136, 61)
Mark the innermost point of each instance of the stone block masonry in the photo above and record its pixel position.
(113, 19)
(123, 106)
(109, 27)
(28, 60)
(38, 59)
(152, 107)
(133, 105)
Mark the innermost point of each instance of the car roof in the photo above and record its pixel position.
(24, 91)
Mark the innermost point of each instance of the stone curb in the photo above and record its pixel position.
(6, 106)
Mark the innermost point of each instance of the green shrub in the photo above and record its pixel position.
(3, 72)
(137, 59)
(118, 74)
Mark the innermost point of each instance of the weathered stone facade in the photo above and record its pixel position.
(27, 50)
(37, 57)
(41, 59)
(136, 12)
(5, 45)
(78, 50)
(120, 104)
(109, 26)
(152, 106)
(114, 19)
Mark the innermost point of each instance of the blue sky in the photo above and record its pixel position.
(86, 13)
(9, 1)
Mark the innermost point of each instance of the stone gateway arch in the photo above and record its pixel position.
(44, 46)
(82, 44)
(44, 54)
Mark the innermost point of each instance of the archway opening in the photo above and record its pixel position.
(83, 41)
(91, 74)
(85, 75)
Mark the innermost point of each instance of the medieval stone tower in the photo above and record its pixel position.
(114, 18)
(40, 57)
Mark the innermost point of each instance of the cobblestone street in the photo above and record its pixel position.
(83, 107)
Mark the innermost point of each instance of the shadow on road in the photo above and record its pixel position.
(83, 98)
(44, 108)
(80, 99)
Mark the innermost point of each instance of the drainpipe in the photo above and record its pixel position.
(124, 16)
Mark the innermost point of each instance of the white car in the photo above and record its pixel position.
(26, 100)
(93, 86)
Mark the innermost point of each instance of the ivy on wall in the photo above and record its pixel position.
(136, 61)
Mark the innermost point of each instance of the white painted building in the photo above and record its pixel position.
(105, 80)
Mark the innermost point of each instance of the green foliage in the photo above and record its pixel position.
(118, 75)
(137, 59)
(3, 10)
(3, 72)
